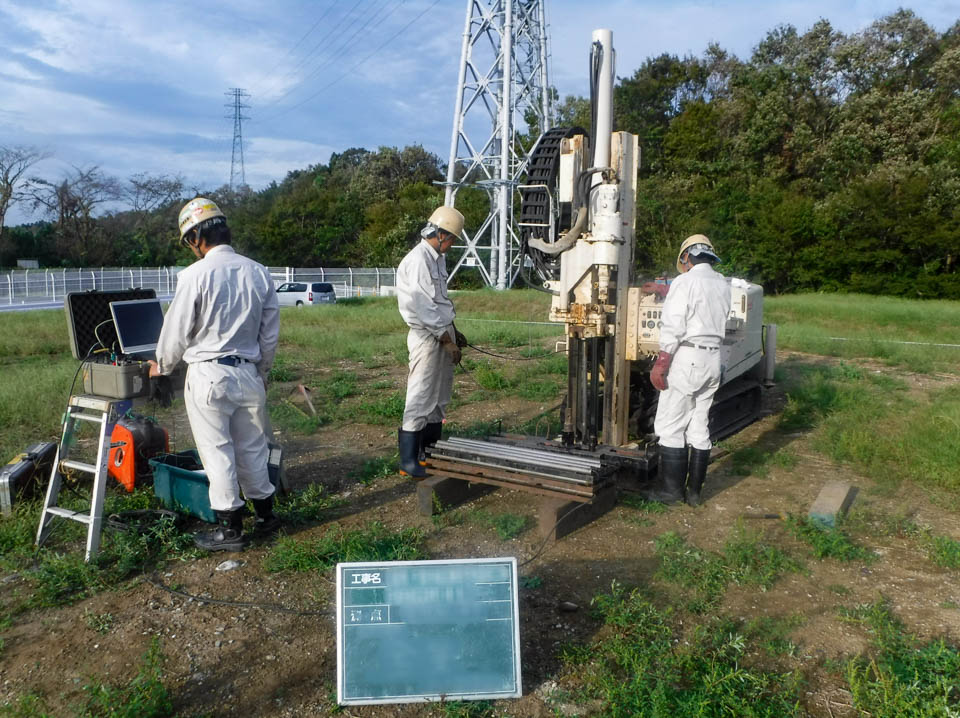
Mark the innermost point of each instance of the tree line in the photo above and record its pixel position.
(824, 161)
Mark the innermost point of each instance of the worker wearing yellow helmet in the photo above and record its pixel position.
(224, 324)
(433, 341)
(687, 370)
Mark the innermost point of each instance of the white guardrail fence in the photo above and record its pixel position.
(28, 286)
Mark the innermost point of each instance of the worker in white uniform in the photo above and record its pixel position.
(433, 342)
(687, 370)
(224, 323)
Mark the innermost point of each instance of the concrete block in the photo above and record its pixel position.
(559, 517)
(835, 498)
(438, 491)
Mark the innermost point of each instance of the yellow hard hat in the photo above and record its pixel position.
(196, 211)
(697, 245)
(449, 220)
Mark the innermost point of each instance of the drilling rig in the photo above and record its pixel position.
(577, 222)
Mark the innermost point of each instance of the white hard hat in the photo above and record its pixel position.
(448, 219)
(196, 211)
(699, 245)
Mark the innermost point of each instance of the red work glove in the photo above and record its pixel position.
(658, 375)
(653, 288)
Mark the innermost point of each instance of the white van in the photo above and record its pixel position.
(296, 294)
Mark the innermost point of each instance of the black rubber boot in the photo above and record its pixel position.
(228, 536)
(671, 476)
(409, 443)
(428, 437)
(699, 458)
(266, 522)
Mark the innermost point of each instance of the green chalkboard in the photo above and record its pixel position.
(424, 630)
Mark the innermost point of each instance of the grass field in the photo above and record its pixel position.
(872, 384)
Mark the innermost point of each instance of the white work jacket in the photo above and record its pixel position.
(225, 306)
(695, 309)
(422, 291)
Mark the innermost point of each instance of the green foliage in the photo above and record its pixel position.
(745, 559)
(144, 697)
(310, 505)
(772, 633)
(943, 551)
(641, 669)
(384, 409)
(370, 543)
(868, 420)
(379, 467)
(98, 622)
(281, 371)
(531, 583)
(468, 709)
(507, 525)
(900, 676)
(641, 505)
(827, 542)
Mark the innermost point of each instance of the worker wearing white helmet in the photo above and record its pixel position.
(224, 323)
(687, 370)
(433, 342)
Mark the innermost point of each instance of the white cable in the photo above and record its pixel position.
(893, 341)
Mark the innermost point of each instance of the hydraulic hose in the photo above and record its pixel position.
(567, 240)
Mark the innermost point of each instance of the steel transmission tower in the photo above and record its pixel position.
(237, 106)
(503, 82)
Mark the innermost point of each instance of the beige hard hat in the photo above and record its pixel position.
(196, 211)
(449, 220)
(697, 245)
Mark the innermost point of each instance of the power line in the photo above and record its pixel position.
(348, 40)
(289, 52)
(302, 62)
(354, 67)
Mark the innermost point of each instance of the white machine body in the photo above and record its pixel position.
(742, 348)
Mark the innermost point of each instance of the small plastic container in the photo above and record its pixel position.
(180, 483)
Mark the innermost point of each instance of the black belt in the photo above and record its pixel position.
(230, 361)
(698, 346)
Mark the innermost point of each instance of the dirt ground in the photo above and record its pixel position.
(255, 661)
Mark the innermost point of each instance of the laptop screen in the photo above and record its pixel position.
(138, 323)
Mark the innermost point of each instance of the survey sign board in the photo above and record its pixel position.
(411, 631)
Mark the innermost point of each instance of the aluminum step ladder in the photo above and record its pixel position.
(96, 410)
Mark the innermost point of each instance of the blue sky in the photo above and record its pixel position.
(138, 86)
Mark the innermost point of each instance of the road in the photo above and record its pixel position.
(26, 306)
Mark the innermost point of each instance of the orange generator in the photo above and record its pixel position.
(135, 440)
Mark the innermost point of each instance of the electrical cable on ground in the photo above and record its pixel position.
(504, 356)
(157, 583)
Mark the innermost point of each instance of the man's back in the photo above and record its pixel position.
(229, 308)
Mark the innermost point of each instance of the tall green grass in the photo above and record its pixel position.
(41, 332)
(857, 325)
(872, 422)
(900, 676)
(645, 667)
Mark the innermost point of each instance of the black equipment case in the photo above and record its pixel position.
(90, 324)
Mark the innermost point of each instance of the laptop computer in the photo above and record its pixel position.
(138, 323)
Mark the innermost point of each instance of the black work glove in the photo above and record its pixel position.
(460, 339)
(161, 390)
(452, 350)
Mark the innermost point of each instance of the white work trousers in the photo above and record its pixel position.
(429, 381)
(227, 408)
(684, 406)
